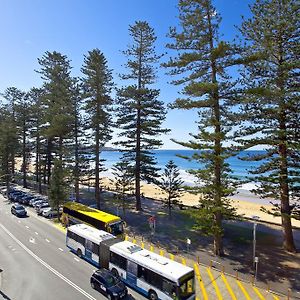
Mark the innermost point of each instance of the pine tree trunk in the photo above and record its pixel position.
(218, 244)
(49, 159)
(138, 163)
(76, 170)
(24, 158)
(97, 161)
(138, 139)
(288, 239)
(37, 158)
(218, 241)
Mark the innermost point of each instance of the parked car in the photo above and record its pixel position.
(37, 203)
(105, 282)
(25, 200)
(35, 200)
(49, 212)
(18, 210)
(40, 208)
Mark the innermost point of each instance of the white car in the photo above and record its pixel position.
(49, 212)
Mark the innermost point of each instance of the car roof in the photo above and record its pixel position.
(104, 273)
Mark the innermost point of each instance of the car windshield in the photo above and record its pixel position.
(187, 288)
(19, 208)
(111, 281)
(117, 228)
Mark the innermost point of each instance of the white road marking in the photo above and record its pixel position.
(47, 240)
(32, 240)
(36, 233)
(27, 227)
(19, 221)
(76, 258)
(61, 249)
(68, 281)
(13, 249)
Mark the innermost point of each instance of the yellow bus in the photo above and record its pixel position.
(74, 213)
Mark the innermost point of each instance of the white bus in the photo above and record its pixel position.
(84, 240)
(152, 275)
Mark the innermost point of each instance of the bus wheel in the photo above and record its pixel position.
(152, 295)
(115, 272)
(79, 253)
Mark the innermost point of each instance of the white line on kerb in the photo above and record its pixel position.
(76, 258)
(36, 233)
(27, 227)
(61, 249)
(68, 281)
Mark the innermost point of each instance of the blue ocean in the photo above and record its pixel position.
(239, 167)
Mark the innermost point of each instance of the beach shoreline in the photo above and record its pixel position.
(246, 203)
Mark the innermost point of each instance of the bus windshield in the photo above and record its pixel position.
(187, 288)
(117, 228)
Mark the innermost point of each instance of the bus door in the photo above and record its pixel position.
(88, 249)
(131, 274)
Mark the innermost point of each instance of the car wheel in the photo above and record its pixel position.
(92, 284)
(109, 297)
(152, 295)
(79, 253)
(115, 272)
(50, 216)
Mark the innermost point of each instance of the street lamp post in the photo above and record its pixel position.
(254, 239)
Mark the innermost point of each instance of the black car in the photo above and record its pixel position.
(18, 210)
(105, 282)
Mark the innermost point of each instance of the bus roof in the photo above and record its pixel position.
(91, 233)
(168, 268)
(92, 212)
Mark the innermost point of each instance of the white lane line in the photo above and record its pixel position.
(19, 221)
(47, 240)
(36, 233)
(27, 227)
(68, 281)
(61, 249)
(76, 259)
(32, 240)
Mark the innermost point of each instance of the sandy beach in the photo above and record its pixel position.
(245, 207)
(247, 204)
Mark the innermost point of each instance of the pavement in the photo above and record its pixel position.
(229, 277)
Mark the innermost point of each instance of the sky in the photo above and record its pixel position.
(29, 28)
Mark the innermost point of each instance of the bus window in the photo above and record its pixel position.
(186, 289)
(116, 228)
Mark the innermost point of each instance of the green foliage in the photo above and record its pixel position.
(8, 143)
(58, 191)
(123, 172)
(171, 183)
(271, 104)
(139, 113)
(201, 68)
(97, 85)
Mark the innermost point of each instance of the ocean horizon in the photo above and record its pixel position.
(239, 167)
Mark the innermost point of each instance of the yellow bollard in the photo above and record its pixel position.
(151, 248)
(172, 256)
(143, 245)
(161, 252)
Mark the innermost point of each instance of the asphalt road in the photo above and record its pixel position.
(36, 263)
